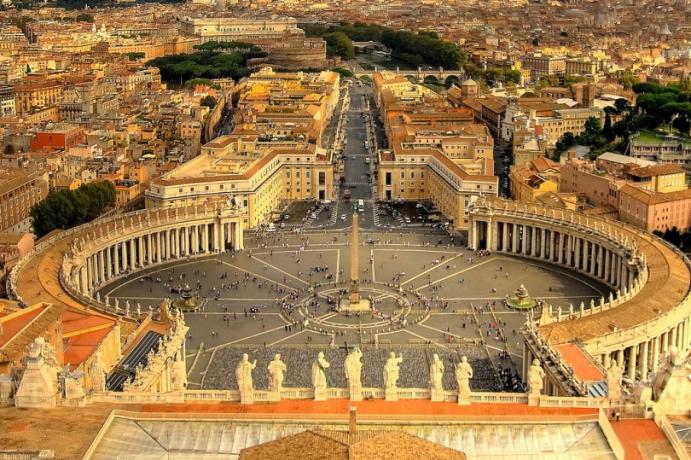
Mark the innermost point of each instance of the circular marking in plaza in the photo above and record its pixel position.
(261, 296)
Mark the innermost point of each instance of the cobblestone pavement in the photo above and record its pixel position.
(256, 300)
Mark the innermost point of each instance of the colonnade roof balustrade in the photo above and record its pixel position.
(665, 292)
(36, 278)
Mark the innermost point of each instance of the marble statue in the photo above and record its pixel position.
(464, 372)
(97, 373)
(179, 374)
(353, 373)
(436, 372)
(391, 370)
(71, 383)
(536, 376)
(319, 367)
(277, 368)
(353, 368)
(614, 374)
(243, 374)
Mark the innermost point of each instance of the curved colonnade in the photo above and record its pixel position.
(649, 308)
(70, 267)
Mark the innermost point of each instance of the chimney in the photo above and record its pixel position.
(353, 421)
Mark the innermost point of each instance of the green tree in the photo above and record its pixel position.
(135, 56)
(607, 128)
(63, 209)
(208, 101)
(338, 44)
(83, 17)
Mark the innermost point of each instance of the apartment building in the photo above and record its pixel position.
(662, 148)
(19, 191)
(437, 152)
(651, 197)
(541, 65)
(273, 156)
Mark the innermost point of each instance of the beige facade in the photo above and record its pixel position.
(437, 152)
(19, 191)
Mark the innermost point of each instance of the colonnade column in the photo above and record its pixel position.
(101, 267)
(140, 245)
(656, 353)
(116, 259)
(543, 244)
(577, 252)
(132, 254)
(633, 350)
(620, 358)
(514, 243)
(505, 236)
(644, 362)
(206, 238)
(109, 264)
(551, 245)
(149, 249)
(560, 249)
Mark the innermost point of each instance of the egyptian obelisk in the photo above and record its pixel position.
(354, 262)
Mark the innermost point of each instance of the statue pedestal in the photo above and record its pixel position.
(273, 396)
(37, 388)
(247, 397)
(463, 399)
(391, 394)
(437, 395)
(533, 399)
(320, 394)
(356, 394)
(349, 305)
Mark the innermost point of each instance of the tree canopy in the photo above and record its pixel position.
(68, 208)
(209, 62)
(422, 48)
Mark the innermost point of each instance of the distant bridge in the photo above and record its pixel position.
(439, 74)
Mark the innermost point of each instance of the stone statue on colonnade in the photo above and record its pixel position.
(97, 373)
(353, 372)
(536, 376)
(243, 374)
(319, 367)
(179, 377)
(436, 373)
(614, 374)
(464, 372)
(391, 374)
(277, 369)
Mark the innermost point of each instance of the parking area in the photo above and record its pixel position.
(306, 213)
(409, 213)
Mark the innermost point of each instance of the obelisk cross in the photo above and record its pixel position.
(354, 262)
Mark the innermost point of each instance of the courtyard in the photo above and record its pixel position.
(281, 295)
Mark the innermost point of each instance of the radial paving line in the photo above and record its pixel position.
(260, 276)
(454, 274)
(434, 267)
(232, 342)
(281, 271)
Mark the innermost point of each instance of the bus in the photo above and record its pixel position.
(361, 205)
